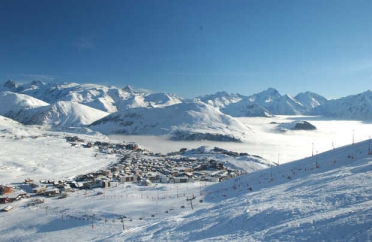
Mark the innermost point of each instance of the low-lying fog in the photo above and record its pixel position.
(270, 143)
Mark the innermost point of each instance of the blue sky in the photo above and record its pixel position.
(190, 47)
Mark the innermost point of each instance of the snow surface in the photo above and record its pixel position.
(325, 197)
(355, 107)
(266, 103)
(175, 120)
(266, 141)
(11, 101)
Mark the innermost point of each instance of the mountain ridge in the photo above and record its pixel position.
(44, 103)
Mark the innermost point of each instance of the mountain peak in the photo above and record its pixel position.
(10, 84)
(128, 89)
(271, 90)
(266, 96)
(37, 83)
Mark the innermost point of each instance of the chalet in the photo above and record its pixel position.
(5, 190)
(199, 176)
(164, 179)
(115, 169)
(187, 169)
(28, 180)
(104, 145)
(77, 184)
(72, 139)
(189, 174)
(90, 185)
(12, 196)
(121, 167)
(98, 183)
(120, 146)
(131, 146)
(212, 179)
(51, 191)
(105, 183)
(35, 184)
(179, 179)
(107, 173)
(39, 190)
(4, 199)
(127, 178)
(153, 176)
(66, 188)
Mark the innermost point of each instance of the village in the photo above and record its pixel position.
(134, 166)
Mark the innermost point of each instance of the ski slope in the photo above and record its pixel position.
(325, 197)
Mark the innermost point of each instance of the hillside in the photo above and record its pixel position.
(356, 107)
(60, 114)
(310, 100)
(184, 121)
(14, 102)
(326, 197)
(300, 203)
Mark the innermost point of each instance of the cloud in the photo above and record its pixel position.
(85, 43)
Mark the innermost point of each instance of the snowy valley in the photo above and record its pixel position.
(96, 163)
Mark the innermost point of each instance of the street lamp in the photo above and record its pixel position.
(312, 151)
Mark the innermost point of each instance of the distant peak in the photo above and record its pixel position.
(269, 92)
(128, 89)
(10, 84)
(222, 93)
(37, 83)
(272, 90)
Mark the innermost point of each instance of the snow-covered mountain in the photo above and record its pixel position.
(310, 100)
(264, 104)
(277, 104)
(245, 108)
(285, 105)
(235, 105)
(59, 114)
(356, 107)
(221, 99)
(265, 97)
(29, 110)
(14, 102)
(107, 99)
(190, 120)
